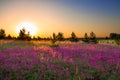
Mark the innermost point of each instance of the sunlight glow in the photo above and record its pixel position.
(29, 27)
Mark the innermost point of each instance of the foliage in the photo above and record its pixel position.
(93, 38)
(60, 37)
(117, 41)
(114, 36)
(9, 37)
(86, 38)
(54, 38)
(73, 37)
(23, 35)
(2, 34)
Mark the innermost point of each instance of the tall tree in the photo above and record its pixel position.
(23, 35)
(86, 38)
(2, 34)
(9, 37)
(54, 38)
(93, 37)
(73, 37)
(28, 36)
(60, 36)
(39, 38)
(115, 37)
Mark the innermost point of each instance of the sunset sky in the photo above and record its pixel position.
(48, 16)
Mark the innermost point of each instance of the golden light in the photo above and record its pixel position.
(29, 27)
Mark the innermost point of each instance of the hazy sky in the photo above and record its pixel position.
(48, 16)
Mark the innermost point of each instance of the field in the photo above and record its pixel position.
(36, 60)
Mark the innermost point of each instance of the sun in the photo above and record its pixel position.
(29, 27)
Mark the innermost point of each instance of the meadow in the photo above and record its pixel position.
(37, 60)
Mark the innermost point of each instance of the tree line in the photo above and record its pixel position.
(23, 35)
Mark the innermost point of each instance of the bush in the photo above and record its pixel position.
(117, 41)
(54, 45)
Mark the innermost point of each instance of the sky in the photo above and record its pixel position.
(66, 16)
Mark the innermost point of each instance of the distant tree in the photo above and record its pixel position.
(48, 38)
(28, 37)
(39, 38)
(14, 37)
(93, 37)
(60, 36)
(54, 38)
(115, 37)
(9, 37)
(34, 38)
(86, 38)
(2, 34)
(23, 35)
(106, 38)
(73, 37)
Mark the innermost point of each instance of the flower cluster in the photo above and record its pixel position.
(69, 61)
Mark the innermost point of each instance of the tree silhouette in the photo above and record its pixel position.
(115, 37)
(39, 38)
(23, 35)
(73, 37)
(34, 38)
(9, 37)
(60, 36)
(54, 38)
(28, 37)
(2, 34)
(93, 37)
(86, 38)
